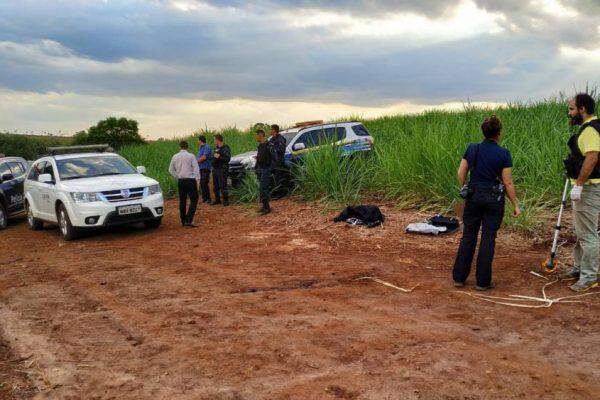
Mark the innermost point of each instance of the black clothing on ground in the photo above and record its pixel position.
(187, 188)
(263, 156)
(486, 161)
(204, 184)
(452, 224)
(485, 209)
(220, 184)
(574, 162)
(224, 153)
(370, 215)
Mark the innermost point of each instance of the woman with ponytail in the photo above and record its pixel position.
(490, 179)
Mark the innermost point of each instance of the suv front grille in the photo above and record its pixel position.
(114, 196)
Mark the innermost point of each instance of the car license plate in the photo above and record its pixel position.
(132, 209)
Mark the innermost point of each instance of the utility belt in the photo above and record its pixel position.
(468, 190)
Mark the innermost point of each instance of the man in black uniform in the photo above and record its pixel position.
(278, 145)
(263, 170)
(221, 158)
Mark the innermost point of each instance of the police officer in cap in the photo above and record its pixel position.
(584, 170)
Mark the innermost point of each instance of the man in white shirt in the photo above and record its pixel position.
(184, 168)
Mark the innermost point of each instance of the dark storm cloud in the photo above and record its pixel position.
(245, 49)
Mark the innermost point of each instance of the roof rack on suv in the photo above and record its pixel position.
(101, 148)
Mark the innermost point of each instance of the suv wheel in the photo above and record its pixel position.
(153, 223)
(3, 217)
(34, 223)
(64, 223)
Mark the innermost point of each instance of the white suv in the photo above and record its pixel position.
(350, 137)
(90, 190)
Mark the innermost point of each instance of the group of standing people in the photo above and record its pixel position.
(193, 171)
(490, 180)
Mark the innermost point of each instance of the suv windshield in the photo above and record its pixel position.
(360, 130)
(89, 167)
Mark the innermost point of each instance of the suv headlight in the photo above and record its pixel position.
(84, 197)
(154, 189)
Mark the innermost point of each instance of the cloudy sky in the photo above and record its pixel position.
(180, 65)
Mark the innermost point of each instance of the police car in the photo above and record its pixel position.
(89, 190)
(12, 175)
(352, 137)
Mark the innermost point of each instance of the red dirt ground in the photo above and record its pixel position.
(254, 307)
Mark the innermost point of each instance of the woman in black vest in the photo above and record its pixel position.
(490, 179)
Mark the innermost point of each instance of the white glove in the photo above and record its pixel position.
(576, 193)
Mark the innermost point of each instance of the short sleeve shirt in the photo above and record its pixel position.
(486, 161)
(589, 140)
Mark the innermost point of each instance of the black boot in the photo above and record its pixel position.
(265, 208)
(225, 201)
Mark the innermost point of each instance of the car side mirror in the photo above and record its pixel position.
(141, 169)
(45, 178)
(298, 146)
(7, 177)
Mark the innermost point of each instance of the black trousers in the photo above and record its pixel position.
(485, 210)
(187, 188)
(264, 183)
(220, 183)
(204, 184)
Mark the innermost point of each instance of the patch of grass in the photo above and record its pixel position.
(248, 191)
(30, 147)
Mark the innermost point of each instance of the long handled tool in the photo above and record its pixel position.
(548, 265)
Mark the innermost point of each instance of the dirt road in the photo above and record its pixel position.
(267, 308)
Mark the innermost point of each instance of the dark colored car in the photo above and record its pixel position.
(12, 176)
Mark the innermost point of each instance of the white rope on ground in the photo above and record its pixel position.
(386, 284)
(544, 300)
(538, 275)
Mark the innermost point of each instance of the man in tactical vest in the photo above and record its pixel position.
(584, 170)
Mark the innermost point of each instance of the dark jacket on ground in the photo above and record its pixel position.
(370, 215)
(225, 156)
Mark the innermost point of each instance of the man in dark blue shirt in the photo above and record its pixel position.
(490, 178)
(204, 163)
